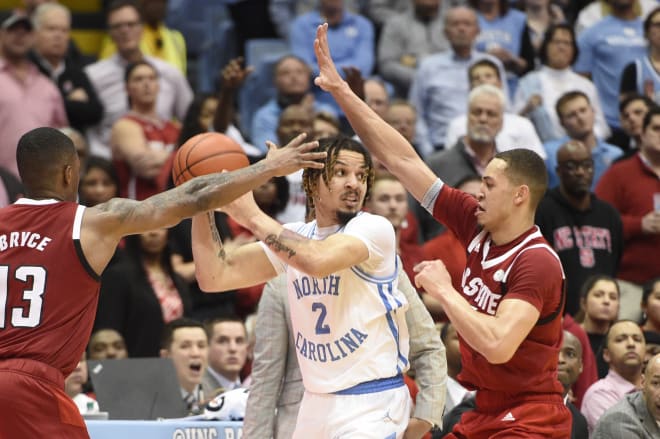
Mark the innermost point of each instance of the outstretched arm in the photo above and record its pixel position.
(380, 139)
(104, 225)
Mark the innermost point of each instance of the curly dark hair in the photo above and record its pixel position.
(333, 146)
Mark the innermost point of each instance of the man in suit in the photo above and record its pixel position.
(637, 414)
(277, 384)
(228, 349)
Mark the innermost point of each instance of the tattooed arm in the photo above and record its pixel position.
(220, 270)
(104, 225)
(317, 258)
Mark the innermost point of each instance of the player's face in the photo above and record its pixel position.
(96, 187)
(602, 301)
(142, 86)
(570, 361)
(343, 197)
(389, 199)
(403, 119)
(189, 353)
(125, 29)
(625, 347)
(107, 343)
(153, 242)
(484, 118)
(577, 118)
(560, 49)
(651, 388)
(228, 348)
(495, 196)
(632, 117)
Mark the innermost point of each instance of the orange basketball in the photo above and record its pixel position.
(207, 153)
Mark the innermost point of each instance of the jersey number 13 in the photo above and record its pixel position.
(33, 296)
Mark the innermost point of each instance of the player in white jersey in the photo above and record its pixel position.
(347, 315)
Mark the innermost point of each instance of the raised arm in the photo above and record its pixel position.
(104, 225)
(378, 137)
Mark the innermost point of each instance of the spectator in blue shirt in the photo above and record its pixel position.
(576, 116)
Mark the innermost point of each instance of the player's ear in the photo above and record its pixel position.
(521, 194)
(68, 174)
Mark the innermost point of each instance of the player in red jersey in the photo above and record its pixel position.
(52, 251)
(508, 312)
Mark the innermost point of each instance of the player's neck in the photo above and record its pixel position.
(510, 230)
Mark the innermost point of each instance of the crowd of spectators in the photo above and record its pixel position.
(574, 81)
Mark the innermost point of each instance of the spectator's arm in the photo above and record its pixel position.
(233, 76)
(393, 63)
(281, 14)
(130, 144)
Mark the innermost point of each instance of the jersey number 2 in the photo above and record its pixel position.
(34, 296)
(320, 327)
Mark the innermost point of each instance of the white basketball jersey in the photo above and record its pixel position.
(349, 327)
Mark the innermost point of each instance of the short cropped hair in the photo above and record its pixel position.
(526, 167)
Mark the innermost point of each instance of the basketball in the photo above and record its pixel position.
(207, 153)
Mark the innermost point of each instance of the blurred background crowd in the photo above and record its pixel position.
(574, 81)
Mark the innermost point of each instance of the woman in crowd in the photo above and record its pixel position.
(143, 143)
(98, 182)
(539, 90)
(142, 293)
(599, 302)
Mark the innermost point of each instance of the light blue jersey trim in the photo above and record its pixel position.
(373, 386)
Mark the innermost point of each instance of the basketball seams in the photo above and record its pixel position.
(206, 155)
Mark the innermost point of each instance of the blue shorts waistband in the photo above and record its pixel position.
(373, 386)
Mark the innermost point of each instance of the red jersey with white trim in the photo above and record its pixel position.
(525, 269)
(160, 136)
(48, 292)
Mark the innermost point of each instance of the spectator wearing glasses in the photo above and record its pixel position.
(576, 115)
(107, 77)
(586, 232)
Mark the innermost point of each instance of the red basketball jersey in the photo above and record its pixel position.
(162, 135)
(526, 269)
(48, 292)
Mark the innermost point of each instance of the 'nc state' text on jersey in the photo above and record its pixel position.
(597, 238)
(311, 286)
(486, 300)
(23, 239)
(332, 351)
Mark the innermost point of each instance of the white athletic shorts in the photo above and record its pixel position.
(362, 412)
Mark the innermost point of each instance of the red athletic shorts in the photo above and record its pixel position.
(33, 403)
(532, 417)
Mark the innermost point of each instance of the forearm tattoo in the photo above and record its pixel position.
(215, 234)
(276, 245)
